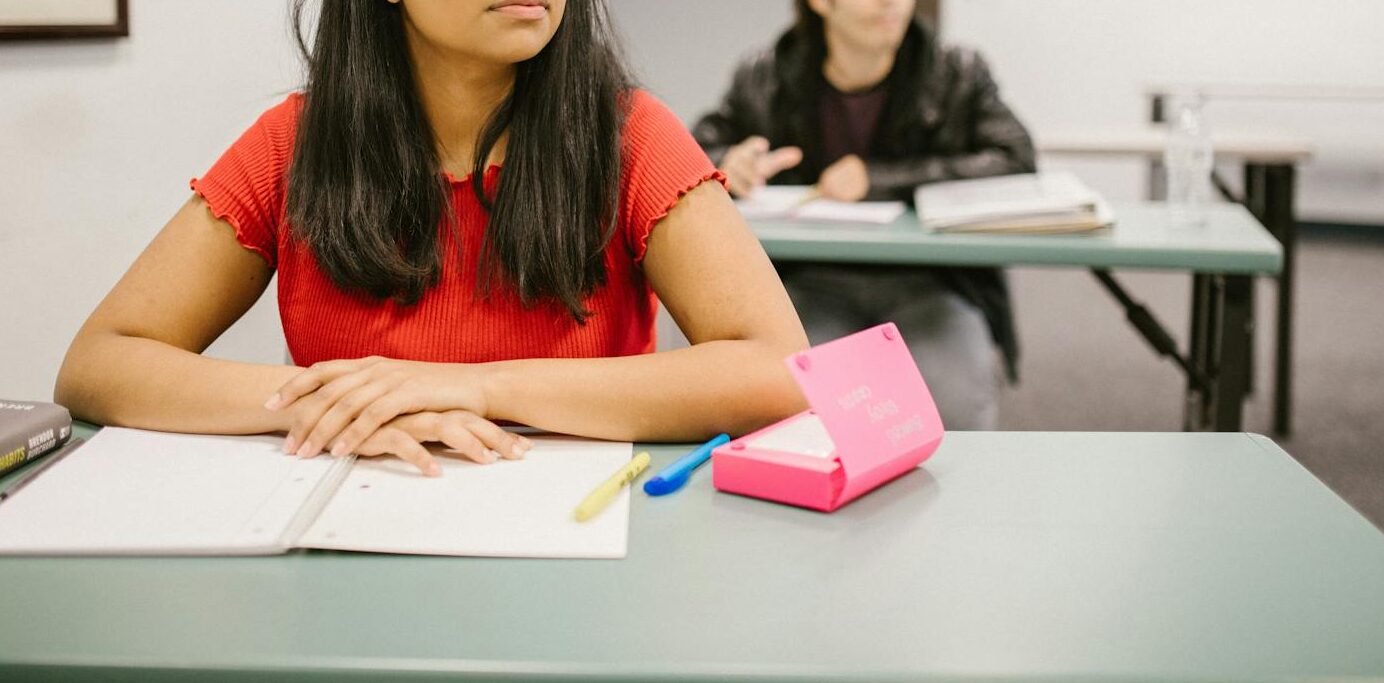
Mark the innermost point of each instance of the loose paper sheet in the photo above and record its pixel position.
(794, 202)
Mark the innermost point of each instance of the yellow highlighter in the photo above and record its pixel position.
(601, 497)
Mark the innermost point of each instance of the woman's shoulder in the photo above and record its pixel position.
(246, 186)
(286, 110)
(641, 105)
(648, 121)
(279, 123)
(661, 163)
(267, 144)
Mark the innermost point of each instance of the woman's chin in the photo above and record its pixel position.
(515, 44)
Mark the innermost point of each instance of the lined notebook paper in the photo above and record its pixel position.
(514, 508)
(136, 492)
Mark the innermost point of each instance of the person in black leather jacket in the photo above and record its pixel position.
(860, 99)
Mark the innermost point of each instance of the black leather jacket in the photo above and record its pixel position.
(943, 120)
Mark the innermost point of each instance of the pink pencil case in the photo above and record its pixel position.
(871, 419)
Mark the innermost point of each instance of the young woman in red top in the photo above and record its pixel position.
(470, 210)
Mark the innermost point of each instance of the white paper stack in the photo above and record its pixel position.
(1030, 203)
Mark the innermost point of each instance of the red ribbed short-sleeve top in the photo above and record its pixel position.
(452, 323)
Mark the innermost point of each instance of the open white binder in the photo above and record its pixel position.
(133, 492)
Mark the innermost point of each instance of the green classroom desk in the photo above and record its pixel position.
(1179, 557)
(1222, 256)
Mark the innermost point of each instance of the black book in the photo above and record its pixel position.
(28, 429)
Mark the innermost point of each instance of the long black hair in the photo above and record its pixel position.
(366, 191)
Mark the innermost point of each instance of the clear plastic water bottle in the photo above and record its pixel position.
(1188, 160)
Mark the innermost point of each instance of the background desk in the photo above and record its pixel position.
(1270, 162)
(1007, 557)
(1222, 255)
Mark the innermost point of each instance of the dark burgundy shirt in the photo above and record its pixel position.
(849, 120)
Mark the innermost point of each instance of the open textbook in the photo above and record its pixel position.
(1029, 203)
(133, 492)
(801, 203)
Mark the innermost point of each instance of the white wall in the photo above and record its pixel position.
(685, 52)
(98, 140)
(1072, 63)
(97, 143)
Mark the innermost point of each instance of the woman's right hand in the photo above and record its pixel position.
(473, 436)
(751, 163)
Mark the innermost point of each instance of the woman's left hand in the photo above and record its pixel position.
(847, 180)
(473, 437)
(336, 405)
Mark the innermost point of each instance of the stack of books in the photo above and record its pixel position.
(1030, 203)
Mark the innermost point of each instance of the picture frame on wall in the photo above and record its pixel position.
(63, 19)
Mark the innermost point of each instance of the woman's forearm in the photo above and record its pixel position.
(119, 380)
(686, 394)
(681, 395)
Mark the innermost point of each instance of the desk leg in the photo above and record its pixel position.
(1269, 192)
(1221, 334)
(1231, 353)
(1194, 416)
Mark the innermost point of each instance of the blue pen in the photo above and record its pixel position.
(672, 477)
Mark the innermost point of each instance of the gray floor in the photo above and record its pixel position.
(1106, 378)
